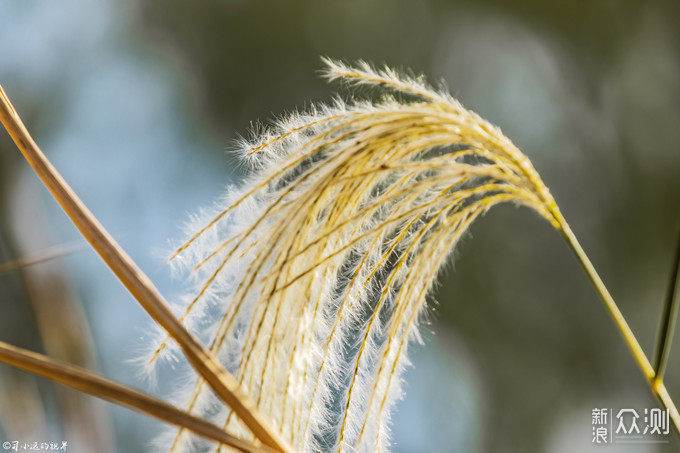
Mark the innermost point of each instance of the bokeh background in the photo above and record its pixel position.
(137, 103)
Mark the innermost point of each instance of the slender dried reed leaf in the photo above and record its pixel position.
(136, 281)
(58, 251)
(101, 387)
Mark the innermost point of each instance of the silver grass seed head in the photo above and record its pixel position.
(320, 263)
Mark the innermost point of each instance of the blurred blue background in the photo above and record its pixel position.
(136, 104)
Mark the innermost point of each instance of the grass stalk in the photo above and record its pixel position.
(139, 285)
(52, 253)
(101, 387)
(670, 312)
(655, 381)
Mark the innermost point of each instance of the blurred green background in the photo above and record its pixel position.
(137, 102)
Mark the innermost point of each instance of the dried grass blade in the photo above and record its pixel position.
(101, 387)
(53, 253)
(141, 287)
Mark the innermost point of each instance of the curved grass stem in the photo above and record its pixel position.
(655, 380)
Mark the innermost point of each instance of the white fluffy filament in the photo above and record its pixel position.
(319, 266)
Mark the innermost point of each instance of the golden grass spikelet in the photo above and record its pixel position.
(322, 261)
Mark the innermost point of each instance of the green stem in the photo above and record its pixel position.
(670, 313)
(656, 382)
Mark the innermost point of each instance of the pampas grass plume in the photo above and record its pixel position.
(310, 280)
(321, 262)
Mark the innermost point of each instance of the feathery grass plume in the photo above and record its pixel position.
(321, 263)
(320, 266)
